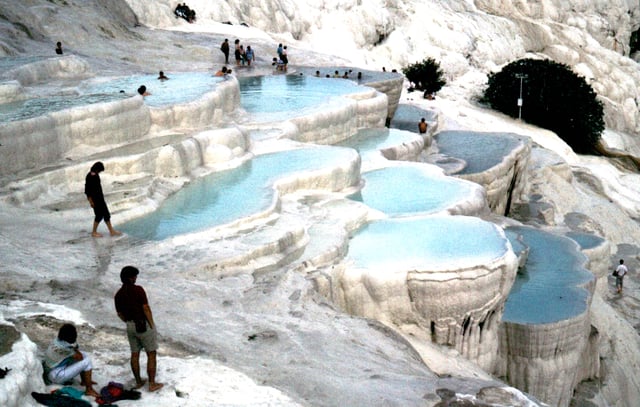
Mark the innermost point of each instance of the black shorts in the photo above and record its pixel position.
(101, 211)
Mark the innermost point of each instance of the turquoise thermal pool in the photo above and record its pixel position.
(369, 142)
(480, 151)
(227, 196)
(180, 88)
(30, 108)
(426, 243)
(551, 285)
(410, 190)
(407, 117)
(586, 240)
(285, 96)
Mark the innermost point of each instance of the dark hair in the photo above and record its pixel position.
(68, 333)
(621, 261)
(127, 273)
(97, 167)
(142, 89)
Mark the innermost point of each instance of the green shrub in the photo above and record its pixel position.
(554, 97)
(425, 75)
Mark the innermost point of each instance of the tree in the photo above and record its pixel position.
(554, 97)
(425, 75)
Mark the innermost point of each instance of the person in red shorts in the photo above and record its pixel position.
(133, 308)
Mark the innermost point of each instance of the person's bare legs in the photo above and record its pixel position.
(112, 230)
(135, 368)
(151, 372)
(94, 232)
(88, 384)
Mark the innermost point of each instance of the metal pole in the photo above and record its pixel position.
(521, 77)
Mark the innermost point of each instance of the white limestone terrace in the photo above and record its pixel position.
(252, 256)
(497, 161)
(396, 270)
(547, 318)
(568, 190)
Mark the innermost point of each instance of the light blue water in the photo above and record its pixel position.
(408, 116)
(586, 240)
(180, 88)
(549, 287)
(224, 197)
(480, 150)
(431, 242)
(286, 96)
(27, 109)
(371, 141)
(408, 190)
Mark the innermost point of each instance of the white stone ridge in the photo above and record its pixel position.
(46, 140)
(67, 67)
(466, 318)
(341, 120)
(207, 111)
(25, 375)
(543, 359)
(11, 91)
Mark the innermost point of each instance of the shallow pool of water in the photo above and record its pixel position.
(409, 190)
(426, 243)
(407, 117)
(371, 141)
(227, 196)
(286, 96)
(180, 88)
(479, 150)
(30, 108)
(549, 286)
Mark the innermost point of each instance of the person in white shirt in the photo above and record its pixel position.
(621, 271)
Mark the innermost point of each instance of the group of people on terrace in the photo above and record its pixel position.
(242, 56)
(63, 359)
(184, 11)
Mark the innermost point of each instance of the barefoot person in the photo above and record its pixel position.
(133, 308)
(64, 361)
(93, 190)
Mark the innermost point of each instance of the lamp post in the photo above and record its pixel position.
(520, 76)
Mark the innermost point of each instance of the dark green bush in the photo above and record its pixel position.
(425, 75)
(554, 97)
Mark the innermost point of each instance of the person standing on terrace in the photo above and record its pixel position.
(284, 57)
(249, 55)
(93, 190)
(619, 273)
(225, 50)
(132, 307)
(236, 52)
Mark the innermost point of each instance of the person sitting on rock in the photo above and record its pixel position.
(59, 48)
(64, 361)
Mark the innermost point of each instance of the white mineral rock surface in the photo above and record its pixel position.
(247, 313)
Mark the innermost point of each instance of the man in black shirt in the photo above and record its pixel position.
(93, 190)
